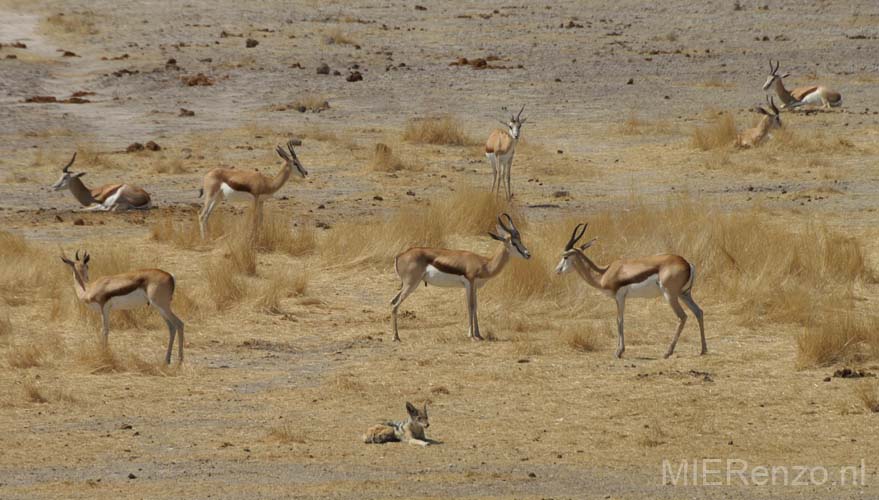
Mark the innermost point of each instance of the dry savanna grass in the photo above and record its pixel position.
(385, 160)
(312, 103)
(97, 358)
(444, 130)
(280, 285)
(719, 132)
(337, 37)
(582, 338)
(287, 433)
(76, 23)
(182, 234)
(169, 165)
(838, 337)
(867, 392)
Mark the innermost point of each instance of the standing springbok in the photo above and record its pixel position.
(128, 291)
(668, 275)
(106, 197)
(500, 148)
(800, 96)
(752, 137)
(246, 185)
(456, 269)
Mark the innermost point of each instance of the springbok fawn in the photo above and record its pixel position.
(752, 137)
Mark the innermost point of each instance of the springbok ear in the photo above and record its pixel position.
(760, 110)
(411, 409)
(500, 229)
(78, 174)
(785, 75)
(66, 261)
(495, 237)
(588, 244)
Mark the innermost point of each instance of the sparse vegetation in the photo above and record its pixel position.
(837, 337)
(384, 160)
(337, 37)
(719, 132)
(287, 433)
(77, 23)
(442, 130)
(868, 394)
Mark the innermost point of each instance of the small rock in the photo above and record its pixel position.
(420, 7)
(378, 198)
(355, 76)
(58, 218)
(11, 56)
(410, 193)
(152, 146)
(68, 53)
(134, 147)
(78, 222)
(251, 43)
(827, 379)
(631, 81)
(199, 80)
(532, 475)
(186, 112)
(323, 69)
(336, 72)
(131, 475)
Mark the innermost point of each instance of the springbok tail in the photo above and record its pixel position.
(689, 286)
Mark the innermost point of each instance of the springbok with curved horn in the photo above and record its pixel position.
(668, 275)
(128, 291)
(752, 137)
(500, 148)
(456, 269)
(246, 185)
(106, 197)
(815, 95)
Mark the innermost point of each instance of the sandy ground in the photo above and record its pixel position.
(517, 419)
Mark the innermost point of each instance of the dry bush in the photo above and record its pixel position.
(100, 358)
(224, 289)
(25, 355)
(287, 433)
(441, 130)
(182, 234)
(276, 235)
(240, 250)
(337, 37)
(33, 392)
(717, 133)
(384, 160)
(582, 338)
(837, 337)
(280, 285)
(78, 23)
(867, 393)
(167, 165)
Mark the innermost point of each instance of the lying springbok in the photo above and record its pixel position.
(668, 275)
(106, 197)
(128, 291)
(456, 269)
(500, 148)
(245, 185)
(810, 95)
(752, 137)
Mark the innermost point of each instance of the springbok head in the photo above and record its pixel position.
(291, 159)
(773, 75)
(566, 264)
(67, 176)
(773, 113)
(509, 235)
(79, 266)
(514, 126)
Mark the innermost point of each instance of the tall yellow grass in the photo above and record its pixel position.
(441, 130)
(717, 133)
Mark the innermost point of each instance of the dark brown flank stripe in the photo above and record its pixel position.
(124, 290)
(638, 278)
(238, 187)
(446, 268)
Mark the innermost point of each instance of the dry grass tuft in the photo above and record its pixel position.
(384, 160)
(87, 157)
(173, 166)
(287, 434)
(224, 289)
(240, 250)
(337, 37)
(717, 133)
(33, 393)
(78, 23)
(868, 393)
(582, 338)
(347, 383)
(443, 130)
(279, 286)
(182, 234)
(838, 337)
(98, 358)
(277, 235)
(6, 328)
(653, 436)
(789, 140)
(25, 356)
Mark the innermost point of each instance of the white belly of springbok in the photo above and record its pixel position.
(435, 277)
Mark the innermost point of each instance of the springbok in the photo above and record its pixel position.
(800, 96)
(456, 269)
(128, 291)
(106, 197)
(500, 148)
(752, 137)
(245, 185)
(668, 275)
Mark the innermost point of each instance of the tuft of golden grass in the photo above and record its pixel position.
(837, 337)
(33, 392)
(345, 382)
(173, 166)
(868, 393)
(287, 433)
(337, 37)
(278, 286)
(443, 130)
(241, 252)
(182, 234)
(88, 157)
(582, 338)
(6, 328)
(224, 288)
(25, 355)
(717, 133)
(77, 23)
(276, 235)
(789, 140)
(99, 358)
(653, 436)
(310, 102)
(384, 160)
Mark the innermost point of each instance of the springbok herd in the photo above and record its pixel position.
(669, 276)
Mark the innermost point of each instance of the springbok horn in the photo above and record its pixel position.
(69, 163)
(574, 237)
(520, 112)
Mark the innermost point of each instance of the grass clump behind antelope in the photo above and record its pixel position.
(444, 130)
(717, 133)
(838, 337)
(384, 160)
